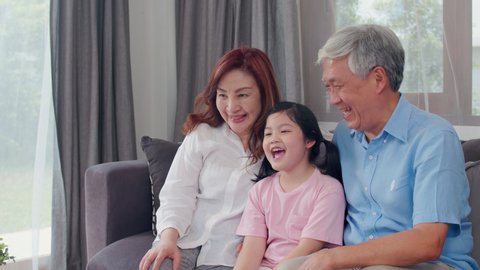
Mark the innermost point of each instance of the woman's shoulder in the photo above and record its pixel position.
(205, 131)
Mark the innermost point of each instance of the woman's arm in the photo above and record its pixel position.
(251, 254)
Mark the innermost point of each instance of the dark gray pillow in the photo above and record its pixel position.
(159, 155)
(471, 150)
(473, 174)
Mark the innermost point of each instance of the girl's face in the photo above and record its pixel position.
(284, 143)
(238, 101)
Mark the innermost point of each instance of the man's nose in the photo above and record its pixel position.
(333, 97)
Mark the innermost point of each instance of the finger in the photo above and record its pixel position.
(145, 262)
(176, 260)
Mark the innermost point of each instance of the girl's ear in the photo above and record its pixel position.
(310, 143)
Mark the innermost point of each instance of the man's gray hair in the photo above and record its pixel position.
(367, 46)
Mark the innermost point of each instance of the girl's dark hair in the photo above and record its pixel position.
(329, 162)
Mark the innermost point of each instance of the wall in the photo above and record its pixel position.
(152, 50)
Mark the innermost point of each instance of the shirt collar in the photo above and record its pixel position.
(397, 125)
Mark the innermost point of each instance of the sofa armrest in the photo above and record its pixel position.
(118, 202)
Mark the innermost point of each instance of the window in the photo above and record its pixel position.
(441, 41)
(26, 132)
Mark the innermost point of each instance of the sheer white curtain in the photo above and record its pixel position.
(27, 139)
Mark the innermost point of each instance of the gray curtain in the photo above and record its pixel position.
(205, 30)
(93, 103)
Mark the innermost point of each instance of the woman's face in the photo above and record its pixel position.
(238, 101)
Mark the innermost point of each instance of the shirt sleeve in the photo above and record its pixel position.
(328, 216)
(179, 193)
(440, 188)
(253, 217)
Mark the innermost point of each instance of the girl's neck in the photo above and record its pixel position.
(290, 180)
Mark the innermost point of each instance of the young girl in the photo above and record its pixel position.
(298, 208)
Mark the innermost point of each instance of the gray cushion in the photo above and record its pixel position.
(471, 150)
(124, 254)
(473, 174)
(160, 154)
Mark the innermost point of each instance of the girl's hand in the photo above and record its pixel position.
(318, 261)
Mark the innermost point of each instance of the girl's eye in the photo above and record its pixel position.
(285, 131)
(267, 134)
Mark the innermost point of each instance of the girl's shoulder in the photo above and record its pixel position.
(326, 182)
(266, 183)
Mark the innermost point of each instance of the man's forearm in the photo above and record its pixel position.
(421, 244)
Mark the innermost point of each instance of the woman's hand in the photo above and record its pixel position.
(167, 248)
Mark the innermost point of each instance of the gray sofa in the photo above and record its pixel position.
(119, 208)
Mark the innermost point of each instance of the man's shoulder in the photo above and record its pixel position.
(428, 124)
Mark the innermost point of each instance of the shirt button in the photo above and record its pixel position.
(365, 188)
(370, 237)
(385, 141)
(374, 213)
(370, 157)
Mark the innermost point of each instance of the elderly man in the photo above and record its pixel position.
(403, 168)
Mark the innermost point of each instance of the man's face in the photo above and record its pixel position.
(350, 94)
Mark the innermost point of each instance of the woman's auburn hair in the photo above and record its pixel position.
(254, 62)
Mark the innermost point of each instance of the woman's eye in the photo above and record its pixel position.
(267, 134)
(285, 131)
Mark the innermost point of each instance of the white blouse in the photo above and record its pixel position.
(205, 192)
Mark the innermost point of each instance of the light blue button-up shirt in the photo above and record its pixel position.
(411, 173)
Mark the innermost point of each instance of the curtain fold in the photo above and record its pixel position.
(205, 30)
(93, 104)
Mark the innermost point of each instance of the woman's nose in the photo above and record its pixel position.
(232, 105)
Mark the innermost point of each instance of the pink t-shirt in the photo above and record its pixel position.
(313, 210)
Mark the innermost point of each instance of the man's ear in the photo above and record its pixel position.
(380, 76)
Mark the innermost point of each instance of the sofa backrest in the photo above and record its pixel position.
(471, 150)
(473, 174)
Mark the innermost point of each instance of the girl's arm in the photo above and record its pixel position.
(251, 254)
(305, 247)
